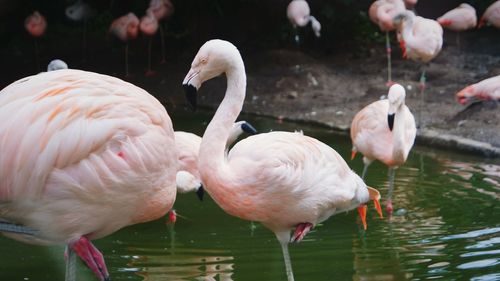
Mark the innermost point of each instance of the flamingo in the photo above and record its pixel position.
(162, 10)
(488, 89)
(188, 146)
(149, 26)
(384, 130)
(56, 65)
(459, 19)
(80, 11)
(382, 12)
(491, 16)
(421, 40)
(284, 180)
(125, 28)
(36, 25)
(299, 14)
(410, 4)
(83, 155)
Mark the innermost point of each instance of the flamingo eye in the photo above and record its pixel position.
(203, 61)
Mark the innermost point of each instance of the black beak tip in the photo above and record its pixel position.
(200, 192)
(248, 128)
(390, 120)
(191, 95)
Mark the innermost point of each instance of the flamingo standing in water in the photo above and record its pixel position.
(80, 11)
(188, 145)
(299, 15)
(284, 180)
(382, 12)
(491, 16)
(82, 155)
(459, 19)
(36, 25)
(384, 130)
(488, 89)
(149, 26)
(125, 28)
(421, 40)
(162, 10)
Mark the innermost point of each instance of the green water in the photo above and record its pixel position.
(446, 227)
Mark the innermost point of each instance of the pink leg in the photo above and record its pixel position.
(172, 217)
(91, 256)
(300, 231)
(389, 207)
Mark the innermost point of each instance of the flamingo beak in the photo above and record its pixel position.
(353, 154)
(91, 256)
(191, 95)
(362, 215)
(200, 192)
(376, 202)
(390, 120)
(248, 128)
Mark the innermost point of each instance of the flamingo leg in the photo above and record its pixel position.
(70, 265)
(37, 60)
(149, 72)
(365, 169)
(422, 91)
(391, 174)
(300, 231)
(162, 37)
(126, 60)
(389, 61)
(296, 36)
(288, 262)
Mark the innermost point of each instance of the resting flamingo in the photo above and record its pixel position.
(421, 40)
(459, 19)
(80, 11)
(491, 16)
(488, 89)
(149, 26)
(125, 28)
(162, 10)
(83, 155)
(284, 180)
(382, 12)
(36, 25)
(188, 146)
(384, 130)
(299, 15)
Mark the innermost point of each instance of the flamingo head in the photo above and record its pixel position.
(214, 58)
(396, 99)
(466, 95)
(187, 182)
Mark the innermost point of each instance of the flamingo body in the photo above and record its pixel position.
(148, 25)
(382, 13)
(125, 27)
(79, 11)
(161, 9)
(35, 24)
(83, 155)
(459, 19)
(488, 89)
(491, 15)
(299, 15)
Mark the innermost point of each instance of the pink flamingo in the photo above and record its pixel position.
(125, 28)
(299, 14)
(83, 155)
(421, 40)
(149, 26)
(284, 180)
(188, 145)
(410, 4)
(382, 12)
(491, 15)
(80, 11)
(384, 130)
(459, 19)
(488, 89)
(162, 10)
(36, 25)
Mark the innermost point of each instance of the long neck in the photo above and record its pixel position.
(211, 161)
(398, 136)
(407, 32)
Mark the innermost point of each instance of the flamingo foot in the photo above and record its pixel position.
(300, 231)
(91, 256)
(150, 73)
(172, 217)
(389, 207)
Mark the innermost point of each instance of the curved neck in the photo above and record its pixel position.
(407, 32)
(398, 136)
(211, 160)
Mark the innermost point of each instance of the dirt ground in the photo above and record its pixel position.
(325, 89)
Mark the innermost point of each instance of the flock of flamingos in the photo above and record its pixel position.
(86, 154)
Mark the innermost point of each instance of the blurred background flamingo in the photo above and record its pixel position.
(80, 11)
(162, 10)
(488, 89)
(459, 19)
(491, 16)
(299, 15)
(125, 28)
(148, 27)
(36, 25)
(384, 130)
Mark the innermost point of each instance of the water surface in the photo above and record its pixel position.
(446, 227)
